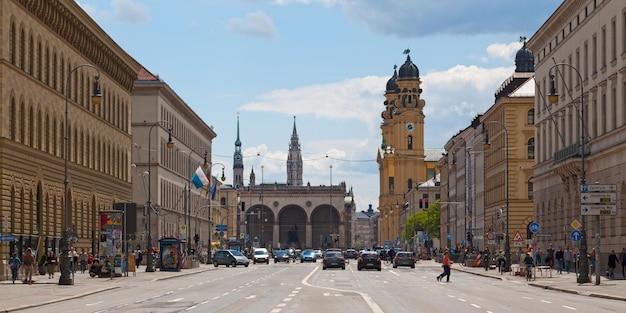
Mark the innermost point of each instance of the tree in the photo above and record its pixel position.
(427, 220)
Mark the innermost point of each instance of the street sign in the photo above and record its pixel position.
(598, 198)
(575, 235)
(478, 237)
(598, 188)
(449, 236)
(517, 237)
(221, 227)
(576, 224)
(5, 238)
(534, 227)
(598, 209)
(491, 235)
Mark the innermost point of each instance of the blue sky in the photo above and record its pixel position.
(325, 62)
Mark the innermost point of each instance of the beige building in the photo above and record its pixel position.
(179, 209)
(590, 37)
(488, 181)
(53, 54)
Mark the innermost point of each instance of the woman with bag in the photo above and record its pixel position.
(51, 262)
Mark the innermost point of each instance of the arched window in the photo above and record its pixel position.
(409, 184)
(12, 44)
(531, 148)
(531, 117)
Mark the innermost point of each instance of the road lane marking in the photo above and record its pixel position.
(545, 301)
(95, 303)
(475, 305)
(569, 307)
(175, 300)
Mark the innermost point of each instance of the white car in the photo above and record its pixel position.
(261, 256)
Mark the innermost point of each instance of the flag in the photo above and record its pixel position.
(199, 179)
(213, 189)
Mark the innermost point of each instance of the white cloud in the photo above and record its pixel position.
(256, 24)
(504, 51)
(126, 11)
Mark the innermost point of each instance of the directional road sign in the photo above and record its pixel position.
(598, 188)
(598, 198)
(575, 235)
(221, 227)
(5, 238)
(598, 209)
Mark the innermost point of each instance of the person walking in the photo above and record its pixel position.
(538, 257)
(559, 255)
(567, 257)
(486, 258)
(51, 263)
(612, 264)
(138, 256)
(83, 260)
(550, 257)
(29, 266)
(15, 264)
(592, 261)
(446, 267)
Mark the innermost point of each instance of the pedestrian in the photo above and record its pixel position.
(612, 263)
(83, 260)
(501, 261)
(138, 256)
(486, 258)
(559, 255)
(28, 266)
(538, 257)
(550, 257)
(89, 261)
(51, 263)
(592, 261)
(73, 255)
(623, 262)
(15, 264)
(567, 257)
(446, 267)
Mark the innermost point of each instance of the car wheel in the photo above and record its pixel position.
(324, 267)
(380, 269)
(215, 263)
(275, 261)
(233, 264)
(267, 262)
(359, 268)
(246, 265)
(254, 262)
(413, 266)
(343, 267)
(395, 266)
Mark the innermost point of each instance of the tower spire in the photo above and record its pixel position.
(237, 161)
(294, 159)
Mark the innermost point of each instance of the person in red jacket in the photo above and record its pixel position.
(446, 267)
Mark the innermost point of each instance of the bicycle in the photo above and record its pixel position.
(387, 260)
(529, 272)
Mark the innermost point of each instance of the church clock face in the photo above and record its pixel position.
(410, 127)
(238, 157)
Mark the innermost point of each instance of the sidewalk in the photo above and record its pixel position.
(608, 288)
(45, 291)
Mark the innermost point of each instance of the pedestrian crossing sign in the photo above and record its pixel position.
(518, 237)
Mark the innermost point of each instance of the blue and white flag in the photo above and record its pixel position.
(213, 189)
(199, 179)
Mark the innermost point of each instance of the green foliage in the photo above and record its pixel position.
(423, 220)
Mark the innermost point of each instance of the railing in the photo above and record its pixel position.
(570, 151)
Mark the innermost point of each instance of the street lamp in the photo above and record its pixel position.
(205, 166)
(96, 98)
(330, 208)
(507, 248)
(554, 98)
(148, 206)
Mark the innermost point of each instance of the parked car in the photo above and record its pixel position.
(334, 259)
(369, 260)
(351, 254)
(404, 258)
(308, 255)
(230, 258)
(282, 256)
(261, 256)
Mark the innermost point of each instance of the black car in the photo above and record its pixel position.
(334, 259)
(351, 254)
(230, 258)
(404, 259)
(282, 256)
(369, 260)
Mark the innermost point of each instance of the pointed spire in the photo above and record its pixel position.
(238, 141)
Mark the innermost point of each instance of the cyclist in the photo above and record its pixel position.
(501, 261)
(530, 263)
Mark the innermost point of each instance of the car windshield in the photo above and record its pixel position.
(282, 252)
(259, 252)
(236, 253)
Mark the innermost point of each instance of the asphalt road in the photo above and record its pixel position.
(306, 287)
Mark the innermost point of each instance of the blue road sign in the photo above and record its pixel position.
(575, 235)
(534, 227)
(5, 238)
(449, 236)
(221, 227)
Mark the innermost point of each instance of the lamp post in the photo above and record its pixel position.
(262, 209)
(96, 98)
(330, 208)
(554, 98)
(507, 248)
(148, 206)
(190, 170)
(223, 178)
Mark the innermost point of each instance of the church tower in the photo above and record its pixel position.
(294, 159)
(237, 162)
(400, 158)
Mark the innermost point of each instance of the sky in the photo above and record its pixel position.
(326, 63)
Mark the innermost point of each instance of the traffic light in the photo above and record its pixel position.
(421, 204)
(469, 236)
(425, 203)
(196, 238)
(243, 206)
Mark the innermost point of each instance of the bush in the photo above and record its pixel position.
(42, 260)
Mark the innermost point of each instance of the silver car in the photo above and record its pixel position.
(230, 258)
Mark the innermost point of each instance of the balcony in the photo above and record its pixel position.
(572, 151)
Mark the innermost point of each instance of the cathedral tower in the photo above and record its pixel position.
(238, 162)
(294, 159)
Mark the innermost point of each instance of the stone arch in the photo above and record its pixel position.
(259, 221)
(292, 221)
(324, 221)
